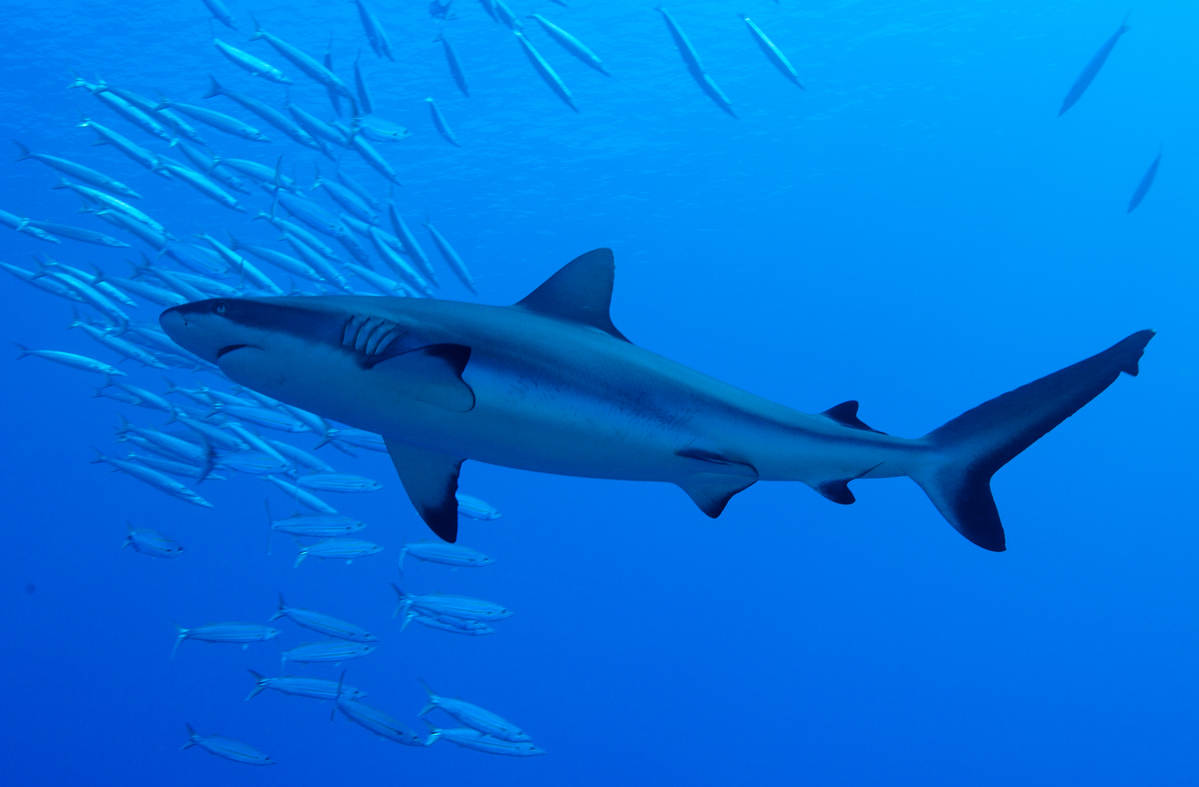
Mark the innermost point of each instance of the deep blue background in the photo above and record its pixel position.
(918, 231)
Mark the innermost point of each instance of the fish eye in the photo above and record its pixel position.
(220, 307)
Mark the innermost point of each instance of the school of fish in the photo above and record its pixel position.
(357, 242)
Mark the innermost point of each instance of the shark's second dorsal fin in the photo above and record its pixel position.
(846, 414)
(581, 291)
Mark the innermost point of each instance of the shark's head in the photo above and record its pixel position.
(342, 357)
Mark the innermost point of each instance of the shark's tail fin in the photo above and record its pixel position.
(970, 448)
(191, 737)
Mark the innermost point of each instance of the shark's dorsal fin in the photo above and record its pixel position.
(581, 291)
(846, 414)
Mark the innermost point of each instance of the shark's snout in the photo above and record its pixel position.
(200, 328)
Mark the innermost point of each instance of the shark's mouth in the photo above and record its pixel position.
(225, 350)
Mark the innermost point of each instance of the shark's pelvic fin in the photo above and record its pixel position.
(970, 448)
(846, 414)
(581, 291)
(435, 372)
(430, 478)
(713, 485)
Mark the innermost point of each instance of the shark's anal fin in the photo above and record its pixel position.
(435, 374)
(837, 491)
(712, 489)
(430, 478)
(581, 291)
(846, 414)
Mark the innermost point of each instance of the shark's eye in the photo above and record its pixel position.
(220, 307)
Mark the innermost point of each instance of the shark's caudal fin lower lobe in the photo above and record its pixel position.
(971, 447)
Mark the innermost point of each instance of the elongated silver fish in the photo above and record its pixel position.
(468, 738)
(330, 651)
(225, 633)
(442, 125)
(226, 748)
(445, 554)
(77, 171)
(346, 549)
(1092, 68)
(474, 508)
(142, 156)
(451, 59)
(218, 120)
(470, 628)
(81, 362)
(322, 623)
(264, 111)
(1145, 184)
(694, 65)
(473, 716)
(773, 53)
(375, 33)
(314, 688)
(436, 604)
(547, 72)
(570, 43)
(251, 64)
(154, 478)
(451, 258)
(378, 722)
(302, 61)
(301, 496)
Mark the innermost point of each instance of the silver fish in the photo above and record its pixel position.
(154, 478)
(314, 688)
(151, 542)
(378, 722)
(225, 747)
(436, 604)
(445, 554)
(346, 549)
(234, 633)
(251, 64)
(333, 650)
(474, 717)
(72, 360)
(322, 623)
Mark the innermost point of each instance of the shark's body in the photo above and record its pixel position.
(550, 385)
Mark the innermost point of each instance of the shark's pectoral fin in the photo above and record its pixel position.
(434, 373)
(712, 489)
(430, 478)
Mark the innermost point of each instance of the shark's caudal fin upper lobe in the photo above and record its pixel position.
(971, 447)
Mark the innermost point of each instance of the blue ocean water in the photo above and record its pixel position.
(917, 230)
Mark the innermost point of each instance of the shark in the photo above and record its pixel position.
(550, 385)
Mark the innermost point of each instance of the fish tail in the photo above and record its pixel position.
(24, 152)
(23, 350)
(967, 451)
(182, 636)
(259, 688)
(300, 557)
(258, 32)
(191, 737)
(281, 611)
(214, 87)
